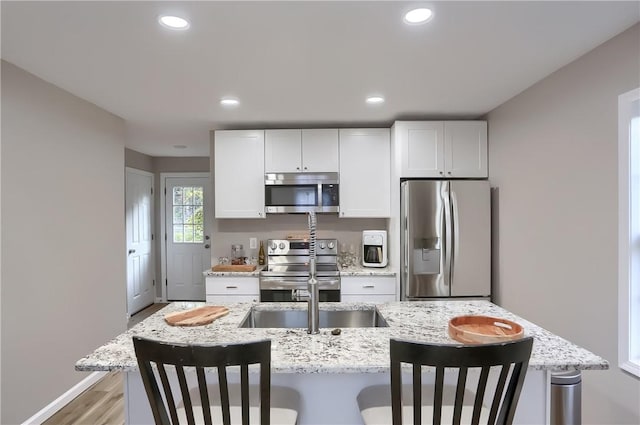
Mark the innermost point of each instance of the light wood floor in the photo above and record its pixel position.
(103, 403)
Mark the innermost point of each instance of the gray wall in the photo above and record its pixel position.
(63, 273)
(138, 160)
(553, 160)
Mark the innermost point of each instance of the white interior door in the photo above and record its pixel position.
(139, 225)
(187, 207)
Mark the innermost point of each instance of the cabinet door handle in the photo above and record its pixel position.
(368, 286)
(232, 287)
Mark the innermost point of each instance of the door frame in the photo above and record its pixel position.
(152, 217)
(163, 221)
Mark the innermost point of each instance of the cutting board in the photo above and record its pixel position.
(483, 329)
(196, 316)
(234, 268)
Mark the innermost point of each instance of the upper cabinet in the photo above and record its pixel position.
(239, 173)
(365, 173)
(442, 148)
(295, 151)
(465, 149)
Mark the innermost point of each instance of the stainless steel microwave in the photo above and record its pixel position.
(301, 192)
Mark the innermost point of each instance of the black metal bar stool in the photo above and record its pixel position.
(502, 365)
(193, 401)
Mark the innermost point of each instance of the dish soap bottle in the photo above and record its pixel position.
(261, 257)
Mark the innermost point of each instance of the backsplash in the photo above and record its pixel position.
(231, 231)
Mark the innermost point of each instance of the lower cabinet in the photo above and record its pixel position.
(377, 289)
(232, 289)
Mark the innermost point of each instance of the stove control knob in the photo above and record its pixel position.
(331, 245)
(274, 246)
(321, 245)
(281, 246)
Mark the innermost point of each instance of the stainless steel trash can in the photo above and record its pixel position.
(566, 398)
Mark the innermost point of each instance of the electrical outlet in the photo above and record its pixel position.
(253, 243)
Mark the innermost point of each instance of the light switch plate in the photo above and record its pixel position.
(253, 243)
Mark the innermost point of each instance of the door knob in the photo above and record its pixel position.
(131, 251)
(207, 246)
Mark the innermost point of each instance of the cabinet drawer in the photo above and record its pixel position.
(214, 298)
(225, 285)
(368, 298)
(368, 285)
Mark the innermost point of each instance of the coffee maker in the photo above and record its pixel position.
(374, 248)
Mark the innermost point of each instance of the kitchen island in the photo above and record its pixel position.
(330, 370)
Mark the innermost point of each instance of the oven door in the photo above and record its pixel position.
(289, 289)
(297, 295)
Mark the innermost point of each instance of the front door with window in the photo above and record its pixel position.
(187, 237)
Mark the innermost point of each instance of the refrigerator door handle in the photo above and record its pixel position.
(404, 222)
(448, 233)
(454, 231)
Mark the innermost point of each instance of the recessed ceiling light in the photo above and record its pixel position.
(418, 16)
(375, 100)
(229, 102)
(174, 22)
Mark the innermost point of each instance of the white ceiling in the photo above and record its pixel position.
(301, 64)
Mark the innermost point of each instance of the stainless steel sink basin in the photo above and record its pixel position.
(258, 318)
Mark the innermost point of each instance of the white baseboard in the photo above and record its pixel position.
(160, 300)
(64, 399)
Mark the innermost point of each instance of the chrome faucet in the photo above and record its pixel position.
(313, 313)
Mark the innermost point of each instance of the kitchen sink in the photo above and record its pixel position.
(259, 318)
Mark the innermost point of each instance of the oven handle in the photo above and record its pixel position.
(284, 283)
(300, 294)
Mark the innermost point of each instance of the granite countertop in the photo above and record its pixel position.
(355, 350)
(366, 271)
(344, 271)
(255, 273)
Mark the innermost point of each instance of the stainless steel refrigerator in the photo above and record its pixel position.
(445, 239)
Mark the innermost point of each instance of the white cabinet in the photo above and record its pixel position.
(282, 151)
(465, 149)
(239, 173)
(365, 179)
(368, 288)
(308, 150)
(228, 289)
(421, 145)
(442, 148)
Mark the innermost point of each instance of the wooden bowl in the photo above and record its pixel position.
(483, 329)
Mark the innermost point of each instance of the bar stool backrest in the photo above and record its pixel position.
(510, 358)
(185, 357)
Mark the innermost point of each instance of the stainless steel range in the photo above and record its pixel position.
(285, 277)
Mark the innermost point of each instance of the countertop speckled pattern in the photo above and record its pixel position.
(255, 273)
(344, 271)
(366, 271)
(355, 350)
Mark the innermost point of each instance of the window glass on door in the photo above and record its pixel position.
(188, 214)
